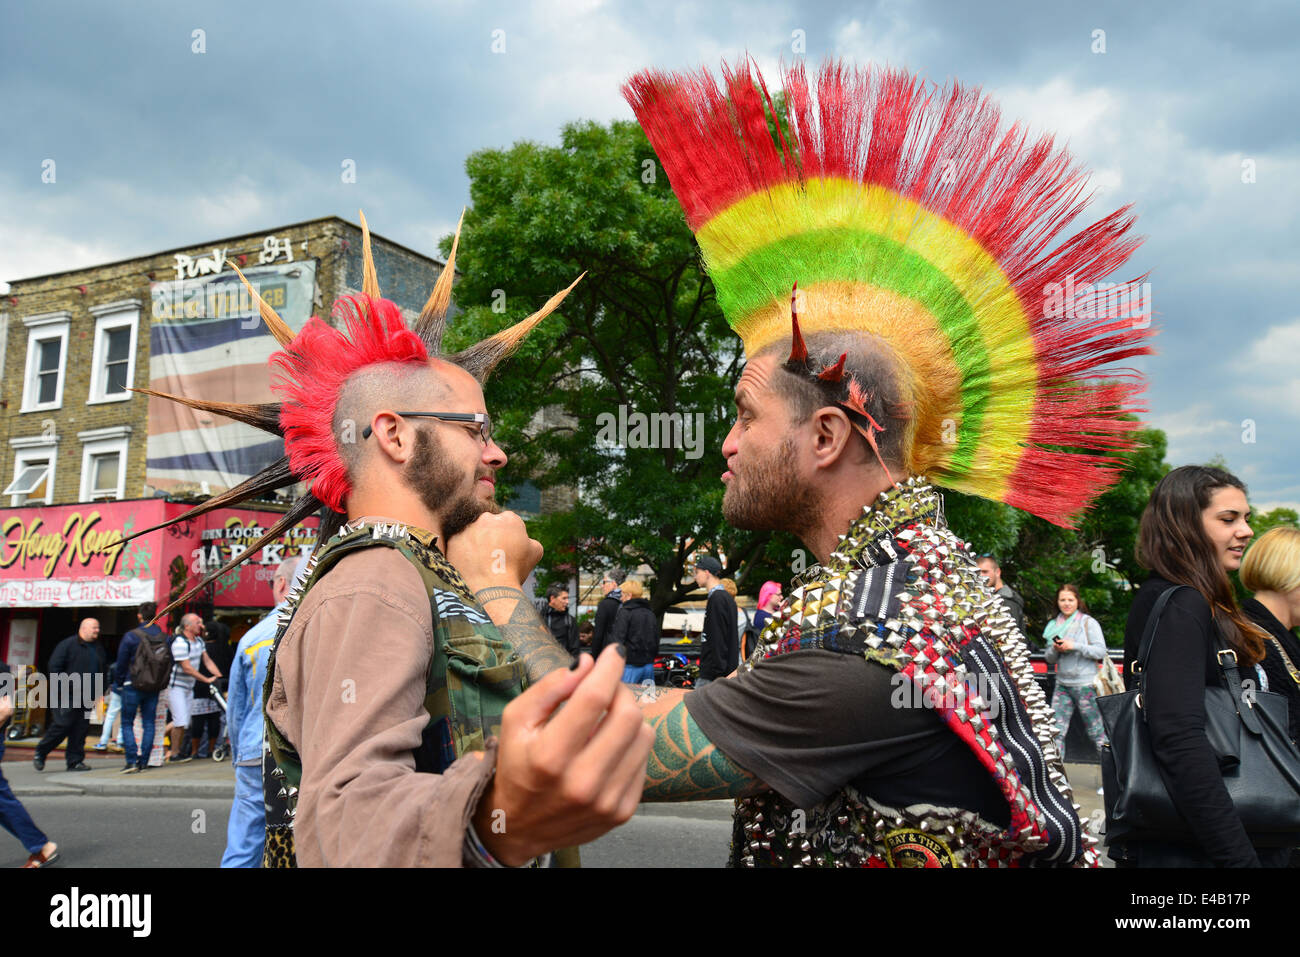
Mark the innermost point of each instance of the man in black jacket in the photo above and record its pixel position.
(555, 613)
(721, 652)
(77, 677)
(607, 609)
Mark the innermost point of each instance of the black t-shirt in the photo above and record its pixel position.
(809, 722)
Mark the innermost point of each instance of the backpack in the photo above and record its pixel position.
(151, 668)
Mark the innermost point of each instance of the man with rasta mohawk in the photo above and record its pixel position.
(884, 249)
(411, 647)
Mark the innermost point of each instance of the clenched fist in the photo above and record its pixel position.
(564, 777)
(494, 550)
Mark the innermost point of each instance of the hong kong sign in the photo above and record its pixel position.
(81, 542)
(77, 556)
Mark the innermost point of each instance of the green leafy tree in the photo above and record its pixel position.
(642, 333)
(1280, 516)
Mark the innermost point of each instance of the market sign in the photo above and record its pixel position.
(232, 532)
(236, 536)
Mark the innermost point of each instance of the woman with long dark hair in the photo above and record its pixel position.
(1194, 532)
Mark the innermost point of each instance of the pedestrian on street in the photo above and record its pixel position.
(555, 614)
(607, 609)
(1076, 647)
(637, 629)
(1014, 601)
(216, 640)
(721, 637)
(205, 717)
(113, 716)
(136, 698)
(769, 601)
(187, 653)
(1193, 533)
(13, 816)
(1271, 570)
(246, 830)
(78, 670)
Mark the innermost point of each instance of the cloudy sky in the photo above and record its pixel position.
(157, 145)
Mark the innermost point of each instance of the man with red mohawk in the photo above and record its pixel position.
(889, 717)
(412, 694)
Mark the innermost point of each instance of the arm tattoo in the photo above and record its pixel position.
(686, 766)
(520, 625)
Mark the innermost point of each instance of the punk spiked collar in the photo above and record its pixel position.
(901, 590)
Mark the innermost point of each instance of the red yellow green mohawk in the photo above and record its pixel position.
(907, 213)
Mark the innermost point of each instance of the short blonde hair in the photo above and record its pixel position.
(1273, 562)
(633, 589)
(730, 586)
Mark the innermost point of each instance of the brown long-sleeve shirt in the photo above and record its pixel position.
(349, 695)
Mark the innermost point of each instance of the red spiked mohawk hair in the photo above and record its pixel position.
(311, 371)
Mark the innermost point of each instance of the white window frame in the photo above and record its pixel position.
(43, 328)
(112, 315)
(99, 442)
(28, 450)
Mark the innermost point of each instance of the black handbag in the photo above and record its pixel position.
(1246, 731)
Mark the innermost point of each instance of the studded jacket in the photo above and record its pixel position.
(903, 591)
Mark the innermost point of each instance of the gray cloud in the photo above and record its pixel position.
(157, 146)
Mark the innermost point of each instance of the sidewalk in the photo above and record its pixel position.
(200, 778)
(206, 778)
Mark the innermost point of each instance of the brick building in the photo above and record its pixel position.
(71, 343)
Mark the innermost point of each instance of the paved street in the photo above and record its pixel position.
(126, 831)
(176, 817)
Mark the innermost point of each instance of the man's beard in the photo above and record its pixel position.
(770, 496)
(437, 481)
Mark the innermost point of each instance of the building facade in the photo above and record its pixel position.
(73, 344)
(86, 459)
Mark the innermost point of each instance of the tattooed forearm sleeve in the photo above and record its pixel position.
(519, 623)
(685, 766)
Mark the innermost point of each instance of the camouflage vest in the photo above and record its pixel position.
(903, 591)
(473, 675)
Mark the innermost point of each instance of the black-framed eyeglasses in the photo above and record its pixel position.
(483, 420)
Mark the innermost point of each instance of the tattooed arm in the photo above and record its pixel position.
(494, 555)
(519, 623)
(684, 764)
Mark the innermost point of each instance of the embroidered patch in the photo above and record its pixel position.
(450, 606)
(909, 847)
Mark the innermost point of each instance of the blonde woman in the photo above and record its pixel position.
(637, 629)
(1271, 570)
